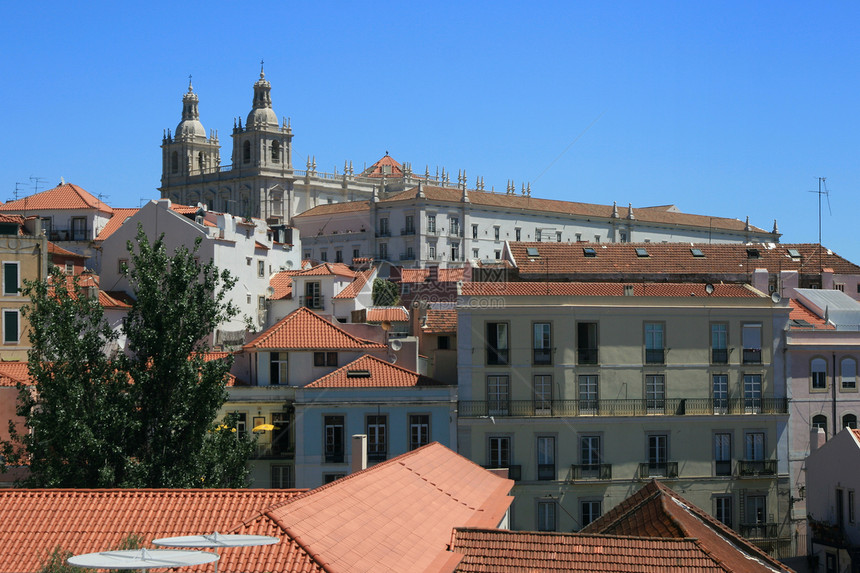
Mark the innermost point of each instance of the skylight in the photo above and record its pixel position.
(532, 252)
(589, 252)
(753, 253)
(358, 373)
(794, 253)
(641, 252)
(697, 253)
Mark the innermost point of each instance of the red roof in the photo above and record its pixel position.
(327, 269)
(801, 317)
(372, 372)
(352, 289)
(608, 289)
(377, 170)
(657, 511)
(119, 217)
(65, 196)
(502, 551)
(56, 250)
(115, 300)
(13, 372)
(306, 330)
(422, 275)
(397, 515)
(440, 320)
(282, 282)
(35, 521)
(387, 314)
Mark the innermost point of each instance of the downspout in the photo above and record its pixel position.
(833, 384)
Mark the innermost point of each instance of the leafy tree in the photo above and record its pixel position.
(385, 293)
(142, 419)
(56, 562)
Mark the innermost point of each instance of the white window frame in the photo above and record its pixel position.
(17, 314)
(16, 291)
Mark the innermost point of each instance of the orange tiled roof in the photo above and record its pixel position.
(115, 300)
(327, 269)
(421, 275)
(397, 515)
(282, 282)
(89, 520)
(607, 289)
(306, 330)
(54, 249)
(440, 320)
(17, 219)
(261, 246)
(503, 551)
(672, 259)
(801, 317)
(352, 289)
(372, 372)
(118, 218)
(387, 314)
(657, 511)
(376, 170)
(13, 372)
(331, 208)
(65, 196)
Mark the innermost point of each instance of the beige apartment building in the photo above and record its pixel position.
(587, 391)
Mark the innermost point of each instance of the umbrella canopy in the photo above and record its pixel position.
(264, 428)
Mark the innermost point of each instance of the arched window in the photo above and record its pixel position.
(849, 421)
(849, 374)
(174, 162)
(819, 374)
(820, 421)
(246, 152)
(276, 152)
(200, 161)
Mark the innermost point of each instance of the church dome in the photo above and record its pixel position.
(261, 112)
(264, 115)
(190, 125)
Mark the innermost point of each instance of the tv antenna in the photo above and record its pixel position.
(822, 190)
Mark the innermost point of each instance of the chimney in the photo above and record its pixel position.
(817, 437)
(359, 453)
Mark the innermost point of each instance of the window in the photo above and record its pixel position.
(754, 446)
(655, 393)
(410, 254)
(281, 433)
(543, 394)
(384, 231)
(558, 236)
(419, 430)
(756, 510)
(431, 224)
(497, 343)
(454, 224)
(325, 358)
(278, 368)
(818, 374)
(719, 343)
(654, 344)
(338, 256)
(328, 478)
(498, 395)
(383, 251)
(546, 458)
(276, 152)
(589, 453)
(324, 256)
(498, 254)
(432, 252)
(334, 444)
(720, 384)
(79, 228)
(475, 254)
(852, 516)
(246, 152)
(723, 454)
(623, 237)
(751, 338)
(586, 342)
(538, 236)
(313, 296)
(69, 268)
(410, 224)
(839, 286)
(752, 393)
(11, 328)
(474, 231)
(455, 251)
(849, 373)
(500, 452)
(658, 454)
(496, 233)
(589, 510)
(596, 238)
(723, 509)
(578, 237)
(10, 279)
(122, 266)
(518, 234)
(588, 394)
(546, 515)
(241, 424)
(849, 421)
(820, 421)
(261, 269)
(377, 437)
(282, 477)
(174, 162)
(443, 342)
(542, 343)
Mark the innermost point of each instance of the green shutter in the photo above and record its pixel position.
(10, 326)
(10, 278)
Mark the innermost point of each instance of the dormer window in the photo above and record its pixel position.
(589, 252)
(753, 254)
(641, 252)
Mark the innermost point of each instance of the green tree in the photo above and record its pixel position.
(145, 418)
(55, 562)
(385, 293)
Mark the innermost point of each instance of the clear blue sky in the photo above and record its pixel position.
(722, 108)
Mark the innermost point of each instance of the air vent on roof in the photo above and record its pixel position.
(628, 290)
(753, 253)
(532, 252)
(641, 252)
(697, 253)
(794, 253)
(589, 252)
(358, 373)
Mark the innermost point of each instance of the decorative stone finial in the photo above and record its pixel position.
(614, 210)
(630, 214)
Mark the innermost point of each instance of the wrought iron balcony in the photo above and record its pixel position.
(275, 451)
(407, 231)
(758, 530)
(584, 472)
(648, 470)
(546, 472)
(621, 407)
(586, 355)
(315, 301)
(719, 355)
(756, 468)
(334, 457)
(383, 233)
(752, 355)
(655, 356)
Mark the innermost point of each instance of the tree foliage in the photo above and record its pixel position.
(145, 418)
(385, 293)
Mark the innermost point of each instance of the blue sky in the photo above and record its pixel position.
(729, 109)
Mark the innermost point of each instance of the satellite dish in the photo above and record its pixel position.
(392, 357)
(396, 345)
(289, 264)
(143, 559)
(709, 288)
(775, 297)
(270, 290)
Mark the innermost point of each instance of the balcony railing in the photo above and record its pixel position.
(314, 302)
(275, 451)
(658, 469)
(583, 472)
(719, 355)
(655, 356)
(407, 231)
(752, 355)
(542, 356)
(334, 457)
(586, 355)
(546, 472)
(756, 468)
(621, 407)
(723, 467)
(758, 530)
(515, 472)
(407, 256)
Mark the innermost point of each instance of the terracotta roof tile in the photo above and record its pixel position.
(282, 282)
(331, 208)
(7, 218)
(387, 314)
(13, 372)
(55, 249)
(354, 288)
(422, 275)
(114, 223)
(115, 300)
(327, 269)
(397, 515)
(440, 320)
(607, 289)
(372, 372)
(571, 260)
(65, 196)
(803, 318)
(306, 330)
(89, 520)
(503, 551)
(376, 170)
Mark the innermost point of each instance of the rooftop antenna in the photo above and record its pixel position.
(822, 182)
(36, 181)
